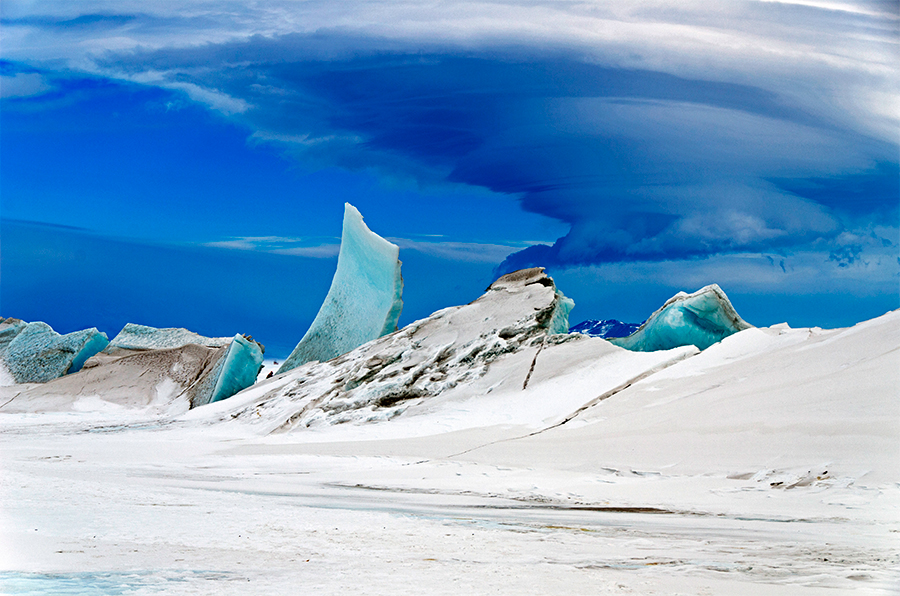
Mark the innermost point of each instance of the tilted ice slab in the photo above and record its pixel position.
(186, 370)
(699, 319)
(35, 353)
(490, 362)
(364, 300)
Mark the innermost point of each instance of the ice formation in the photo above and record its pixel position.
(169, 369)
(238, 369)
(700, 319)
(519, 315)
(35, 353)
(364, 300)
(606, 328)
(142, 337)
(233, 363)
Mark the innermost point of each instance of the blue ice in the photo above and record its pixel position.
(242, 363)
(700, 319)
(35, 353)
(364, 300)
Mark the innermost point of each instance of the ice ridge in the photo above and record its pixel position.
(519, 313)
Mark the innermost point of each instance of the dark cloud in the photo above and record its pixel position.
(644, 165)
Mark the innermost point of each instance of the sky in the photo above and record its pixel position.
(185, 164)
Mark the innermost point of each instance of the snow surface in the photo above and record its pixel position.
(364, 300)
(766, 464)
(699, 319)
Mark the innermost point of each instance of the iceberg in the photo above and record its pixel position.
(700, 319)
(364, 300)
(35, 353)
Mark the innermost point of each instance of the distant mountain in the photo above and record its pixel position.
(605, 328)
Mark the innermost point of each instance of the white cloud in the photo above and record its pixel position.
(471, 252)
(826, 54)
(23, 85)
(280, 245)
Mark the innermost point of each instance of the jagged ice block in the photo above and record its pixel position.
(35, 353)
(700, 319)
(364, 300)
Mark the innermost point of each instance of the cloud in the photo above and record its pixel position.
(471, 252)
(280, 245)
(23, 85)
(655, 130)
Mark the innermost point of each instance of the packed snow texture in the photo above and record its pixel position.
(699, 319)
(186, 370)
(606, 328)
(35, 353)
(449, 351)
(364, 300)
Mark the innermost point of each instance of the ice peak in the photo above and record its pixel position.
(364, 300)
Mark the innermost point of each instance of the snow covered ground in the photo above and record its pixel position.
(766, 464)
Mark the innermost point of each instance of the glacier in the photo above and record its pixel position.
(364, 300)
(700, 319)
(35, 353)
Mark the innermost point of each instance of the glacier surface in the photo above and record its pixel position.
(699, 319)
(35, 353)
(364, 300)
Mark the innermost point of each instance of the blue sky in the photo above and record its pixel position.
(186, 163)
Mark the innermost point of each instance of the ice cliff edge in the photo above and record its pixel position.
(364, 300)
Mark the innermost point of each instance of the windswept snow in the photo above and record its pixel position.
(364, 300)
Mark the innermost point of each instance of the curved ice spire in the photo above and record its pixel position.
(364, 300)
(701, 319)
